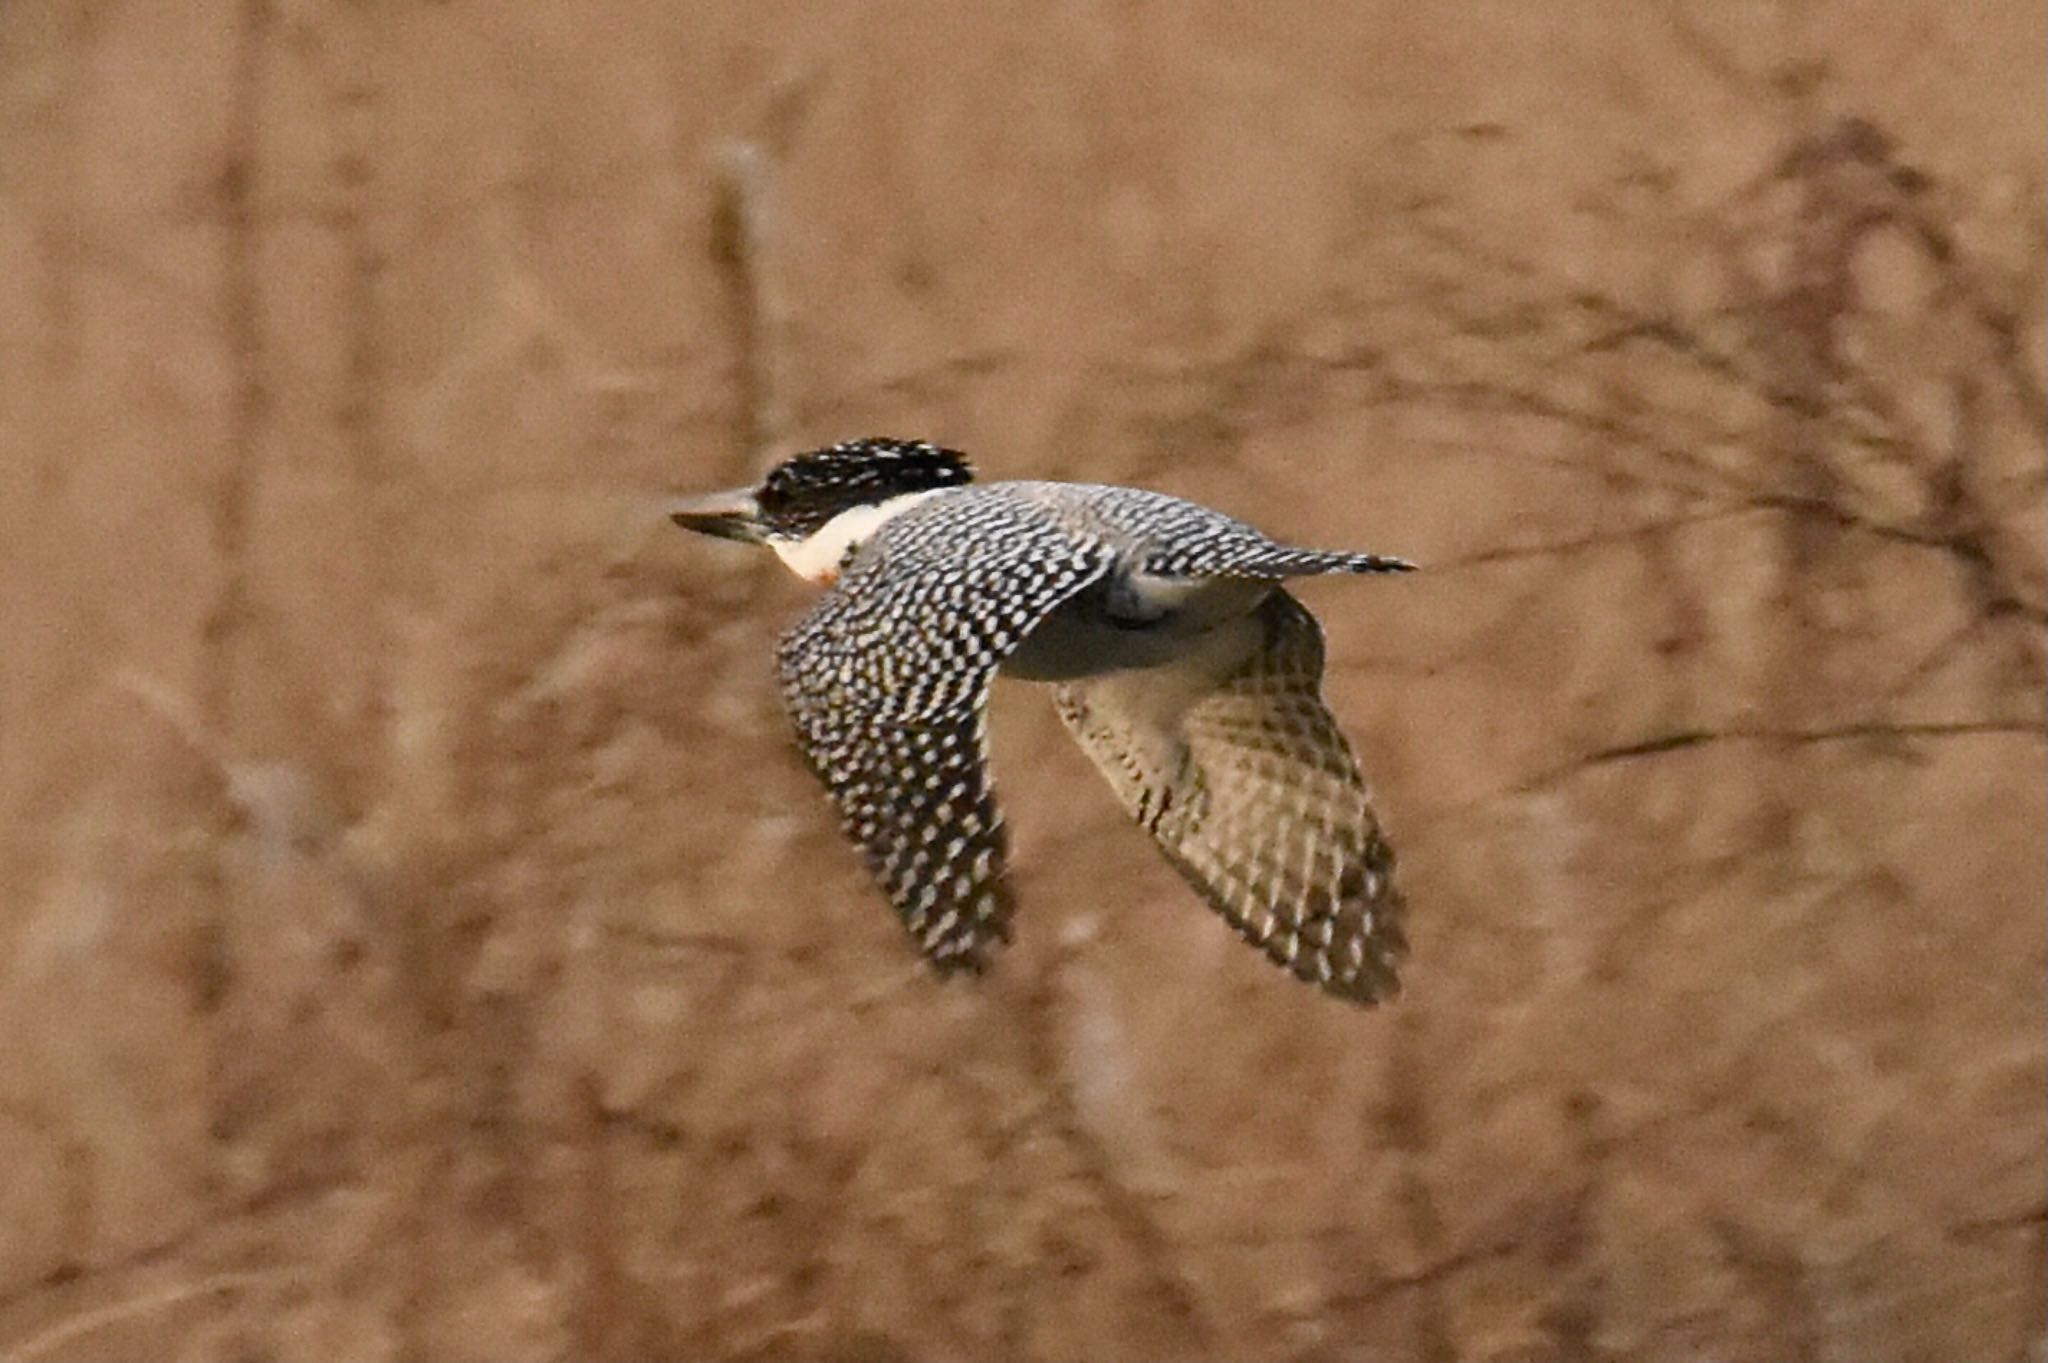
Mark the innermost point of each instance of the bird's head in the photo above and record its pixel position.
(817, 508)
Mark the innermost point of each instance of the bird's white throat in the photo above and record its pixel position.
(817, 556)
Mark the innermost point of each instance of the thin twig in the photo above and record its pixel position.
(85, 1322)
(744, 245)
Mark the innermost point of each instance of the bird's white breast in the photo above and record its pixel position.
(817, 556)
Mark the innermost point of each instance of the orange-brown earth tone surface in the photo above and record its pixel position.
(418, 938)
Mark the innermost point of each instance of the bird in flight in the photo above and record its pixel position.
(1177, 659)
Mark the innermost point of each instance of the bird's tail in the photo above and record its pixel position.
(1338, 561)
(1277, 562)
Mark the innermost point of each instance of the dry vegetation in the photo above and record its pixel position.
(418, 940)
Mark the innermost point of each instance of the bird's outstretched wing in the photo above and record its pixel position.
(1254, 796)
(887, 681)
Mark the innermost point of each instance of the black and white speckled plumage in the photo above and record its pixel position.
(887, 681)
(1192, 680)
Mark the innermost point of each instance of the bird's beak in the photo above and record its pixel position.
(728, 515)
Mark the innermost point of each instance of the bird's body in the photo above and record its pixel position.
(1179, 662)
(1132, 617)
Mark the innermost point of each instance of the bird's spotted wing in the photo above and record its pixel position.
(886, 681)
(1253, 794)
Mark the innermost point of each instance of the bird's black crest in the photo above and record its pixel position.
(804, 492)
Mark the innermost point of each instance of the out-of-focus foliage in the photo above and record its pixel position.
(417, 938)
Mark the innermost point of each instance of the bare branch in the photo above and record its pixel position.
(1595, 539)
(744, 245)
(1841, 733)
(85, 1323)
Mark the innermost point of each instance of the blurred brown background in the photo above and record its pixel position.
(421, 941)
